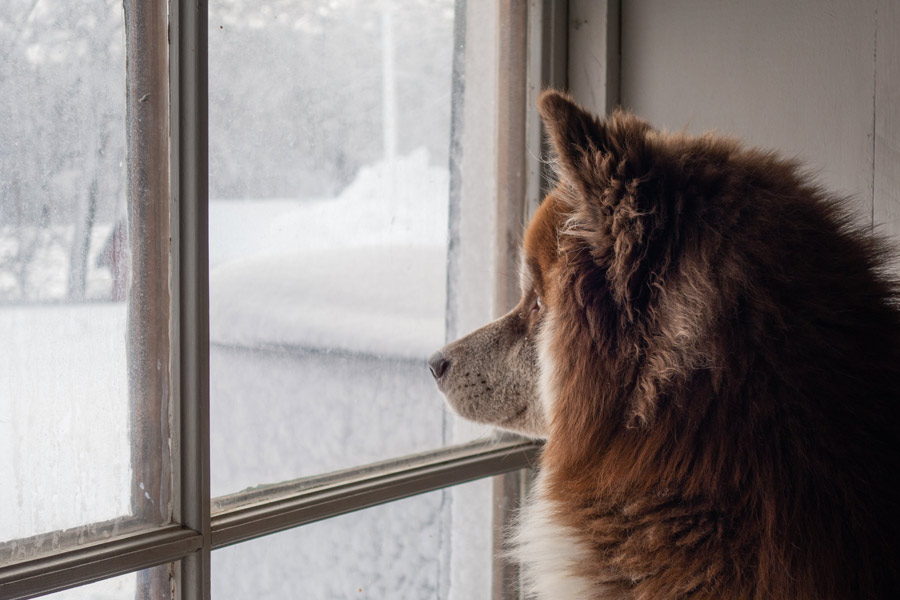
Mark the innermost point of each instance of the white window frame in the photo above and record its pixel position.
(532, 53)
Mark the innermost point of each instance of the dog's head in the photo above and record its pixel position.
(594, 258)
(492, 375)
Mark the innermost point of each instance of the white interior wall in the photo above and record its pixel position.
(815, 79)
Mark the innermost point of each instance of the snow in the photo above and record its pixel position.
(364, 272)
(375, 300)
(63, 386)
(317, 413)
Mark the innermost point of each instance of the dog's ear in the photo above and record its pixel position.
(591, 152)
(578, 138)
(611, 199)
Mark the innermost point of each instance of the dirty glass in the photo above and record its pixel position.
(155, 583)
(436, 546)
(330, 136)
(69, 438)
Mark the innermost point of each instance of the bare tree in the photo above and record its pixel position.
(62, 85)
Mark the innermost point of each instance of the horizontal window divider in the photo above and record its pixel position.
(96, 561)
(52, 542)
(271, 509)
(305, 351)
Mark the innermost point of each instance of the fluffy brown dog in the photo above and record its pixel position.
(712, 352)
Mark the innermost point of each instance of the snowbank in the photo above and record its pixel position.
(364, 272)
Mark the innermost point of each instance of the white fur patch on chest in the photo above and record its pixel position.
(547, 374)
(550, 553)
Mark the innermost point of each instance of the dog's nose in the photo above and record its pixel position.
(438, 364)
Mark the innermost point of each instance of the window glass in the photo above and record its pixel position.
(155, 583)
(402, 549)
(69, 438)
(330, 131)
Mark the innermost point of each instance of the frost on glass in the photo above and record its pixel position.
(329, 186)
(402, 549)
(155, 583)
(65, 447)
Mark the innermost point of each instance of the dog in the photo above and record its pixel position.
(711, 349)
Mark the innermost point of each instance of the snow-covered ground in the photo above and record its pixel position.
(64, 428)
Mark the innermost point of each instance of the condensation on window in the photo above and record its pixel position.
(330, 135)
(156, 583)
(412, 548)
(331, 127)
(67, 433)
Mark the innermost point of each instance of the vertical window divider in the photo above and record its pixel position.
(188, 75)
(149, 304)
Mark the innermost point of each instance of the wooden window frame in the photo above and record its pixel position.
(532, 54)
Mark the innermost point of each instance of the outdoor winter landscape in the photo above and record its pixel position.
(328, 217)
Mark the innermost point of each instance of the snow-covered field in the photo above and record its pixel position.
(64, 454)
(321, 316)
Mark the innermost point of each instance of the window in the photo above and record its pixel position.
(187, 369)
(84, 367)
(328, 233)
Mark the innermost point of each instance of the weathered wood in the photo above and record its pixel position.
(147, 111)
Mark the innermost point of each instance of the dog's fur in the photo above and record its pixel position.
(712, 351)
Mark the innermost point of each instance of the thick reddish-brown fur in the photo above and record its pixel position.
(726, 398)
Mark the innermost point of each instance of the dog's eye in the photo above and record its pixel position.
(537, 306)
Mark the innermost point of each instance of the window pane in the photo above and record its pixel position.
(330, 129)
(78, 362)
(155, 583)
(403, 549)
